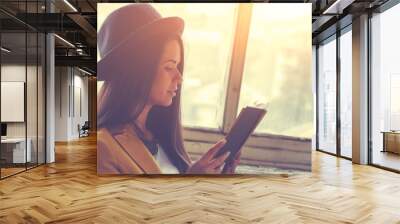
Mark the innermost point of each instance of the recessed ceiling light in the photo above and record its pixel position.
(70, 5)
(64, 40)
(338, 6)
(86, 72)
(5, 50)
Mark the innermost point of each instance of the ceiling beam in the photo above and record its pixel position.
(78, 61)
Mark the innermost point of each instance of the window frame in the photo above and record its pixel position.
(346, 28)
(28, 29)
(381, 9)
(232, 95)
(343, 31)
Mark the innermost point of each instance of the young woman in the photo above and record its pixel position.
(139, 125)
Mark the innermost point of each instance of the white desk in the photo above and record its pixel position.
(18, 149)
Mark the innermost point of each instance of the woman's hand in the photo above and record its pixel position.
(207, 164)
(231, 167)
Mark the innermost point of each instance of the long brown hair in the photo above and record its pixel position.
(123, 97)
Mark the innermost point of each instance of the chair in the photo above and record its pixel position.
(84, 130)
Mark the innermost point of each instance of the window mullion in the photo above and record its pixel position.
(236, 66)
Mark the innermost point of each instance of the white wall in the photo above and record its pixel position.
(80, 100)
(33, 127)
(70, 83)
(13, 73)
(61, 103)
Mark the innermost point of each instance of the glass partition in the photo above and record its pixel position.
(14, 153)
(22, 90)
(327, 95)
(346, 93)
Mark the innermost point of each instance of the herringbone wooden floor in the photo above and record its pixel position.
(69, 191)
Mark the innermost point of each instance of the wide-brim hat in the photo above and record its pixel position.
(126, 28)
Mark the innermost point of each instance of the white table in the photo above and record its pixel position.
(18, 148)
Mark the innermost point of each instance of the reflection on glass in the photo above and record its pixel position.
(385, 85)
(327, 96)
(277, 68)
(346, 94)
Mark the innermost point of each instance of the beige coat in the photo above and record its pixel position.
(123, 153)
